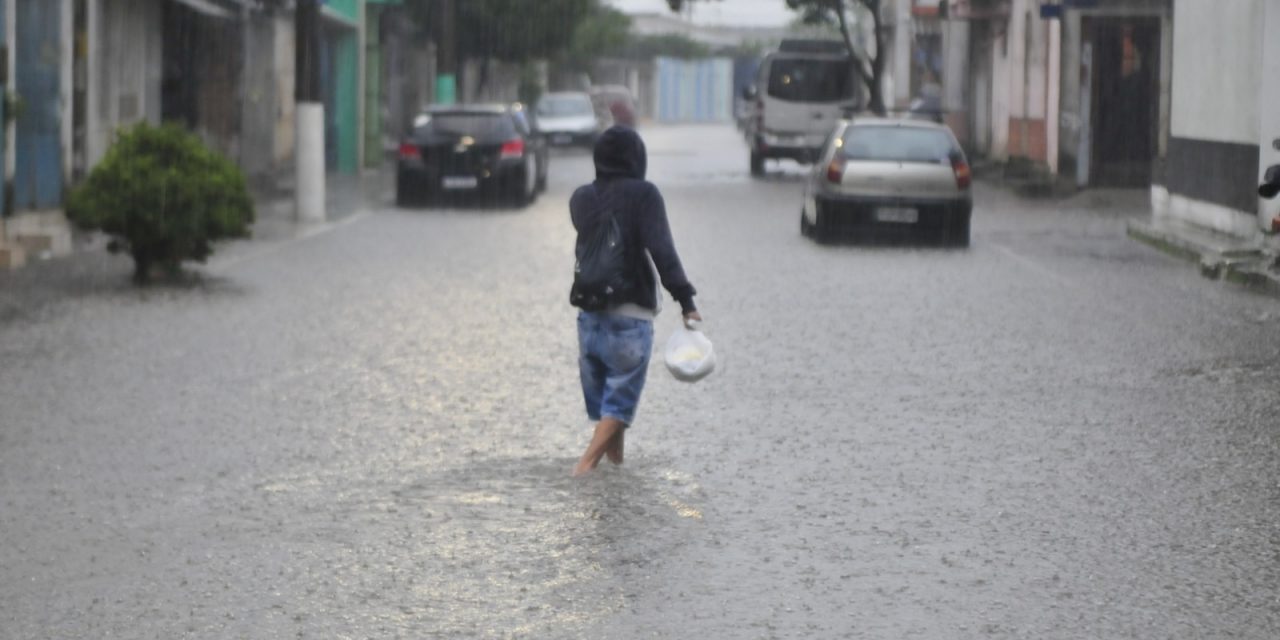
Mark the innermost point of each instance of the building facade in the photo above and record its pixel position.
(81, 70)
(1079, 90)
(1224, 124)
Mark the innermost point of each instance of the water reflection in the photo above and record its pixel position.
(499, 545)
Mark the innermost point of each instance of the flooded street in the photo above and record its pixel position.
(368, 433)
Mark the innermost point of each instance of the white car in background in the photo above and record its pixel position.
(567, 118)
(891, 180)
(800, 91)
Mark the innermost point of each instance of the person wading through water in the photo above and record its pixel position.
(616, 340)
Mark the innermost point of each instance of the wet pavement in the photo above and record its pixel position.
(366, 432)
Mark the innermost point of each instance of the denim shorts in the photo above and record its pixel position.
(613, 358)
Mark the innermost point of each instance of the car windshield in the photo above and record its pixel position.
(897, 144)
(554, 106)
(480, 125)
(810, 80)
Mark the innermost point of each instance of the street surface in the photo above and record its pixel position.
(367, 433)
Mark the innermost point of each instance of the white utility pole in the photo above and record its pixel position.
(309, 187)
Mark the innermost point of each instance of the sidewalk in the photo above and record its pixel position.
(346, 195)
(1250, 262)
(1254, 263)
(32, 291)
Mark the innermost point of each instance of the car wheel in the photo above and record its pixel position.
(523, 191)
(406, 193)
(816, 231)
(757, 163)
(960, 233)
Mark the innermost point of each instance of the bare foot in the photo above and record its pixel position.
(614, 451)
(600, 441)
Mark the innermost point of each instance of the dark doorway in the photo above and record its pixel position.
(200, 82)
(1126, 107)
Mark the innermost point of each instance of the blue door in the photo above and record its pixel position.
(38, 172)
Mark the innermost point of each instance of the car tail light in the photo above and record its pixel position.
(513, 148)
(964, 176)
(408, 150)
(835, 171)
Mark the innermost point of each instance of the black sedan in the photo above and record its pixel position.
(472, 149)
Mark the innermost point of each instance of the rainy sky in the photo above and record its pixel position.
(762, 13)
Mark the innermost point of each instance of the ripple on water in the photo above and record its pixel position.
(559, 553)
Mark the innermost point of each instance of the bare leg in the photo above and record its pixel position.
(605, 430)
(614, 451)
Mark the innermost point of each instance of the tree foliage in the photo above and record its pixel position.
(870, 65)
(164, 197)
(507, 30)
(671, 45)
(604, 32)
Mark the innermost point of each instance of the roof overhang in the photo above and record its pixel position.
(208, 8)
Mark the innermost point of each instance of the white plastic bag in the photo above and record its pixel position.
(689, 355)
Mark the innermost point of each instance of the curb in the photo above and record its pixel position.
(1220, 257)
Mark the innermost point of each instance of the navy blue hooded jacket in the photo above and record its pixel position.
(642, 215)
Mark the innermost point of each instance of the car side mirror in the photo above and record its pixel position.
(750, 92)
(1270, 182)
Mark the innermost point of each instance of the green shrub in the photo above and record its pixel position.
(164, 197)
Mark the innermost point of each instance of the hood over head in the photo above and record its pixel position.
(619, 153)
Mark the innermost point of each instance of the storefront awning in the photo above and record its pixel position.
(207, 8)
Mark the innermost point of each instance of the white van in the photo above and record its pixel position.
(802, 90)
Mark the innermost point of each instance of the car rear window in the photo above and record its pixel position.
(480, 125)
(565, 106)
(810, 80)
(898, 144)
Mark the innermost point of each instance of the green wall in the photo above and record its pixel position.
(373, 87)
(347, 102)
(349, 9)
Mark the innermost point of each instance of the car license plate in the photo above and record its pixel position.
(561, 138)
(460, 182)
(904, 215)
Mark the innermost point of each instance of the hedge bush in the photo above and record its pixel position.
(164, 197)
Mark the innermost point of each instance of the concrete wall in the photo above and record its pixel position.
(259, 112)
(1216, 130)
(284, 72)
(1268, 71)
(1001, 68)
(1215, 57)
(1028, 81)
(955, 77)
(898, 70)
(125, 59)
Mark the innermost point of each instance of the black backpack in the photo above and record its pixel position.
(600, 273)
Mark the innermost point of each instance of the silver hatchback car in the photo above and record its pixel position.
(889, 180)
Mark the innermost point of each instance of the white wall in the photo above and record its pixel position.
(900, 66)
(1215, 81)
(125, 58)
(1014, 74)
(1268, 71)
(1069, 120)
(285, 63)
(1000, 96)
(955, 75)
